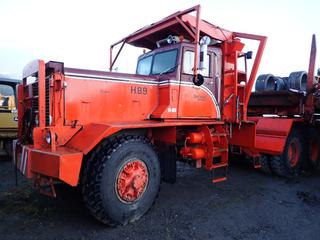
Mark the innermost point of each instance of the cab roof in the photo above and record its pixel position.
(181, 23)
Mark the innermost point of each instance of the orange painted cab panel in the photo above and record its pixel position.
(98, 96)
(95, 96)
(96, 100)
(197, 102)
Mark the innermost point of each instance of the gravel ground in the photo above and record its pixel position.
(250, 205)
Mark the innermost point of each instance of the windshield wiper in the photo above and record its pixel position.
(167, 70)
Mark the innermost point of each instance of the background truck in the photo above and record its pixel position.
(117, 135)
(8, 115)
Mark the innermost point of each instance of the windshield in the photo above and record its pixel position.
(144, 66)
(163, 62)
(7, 100)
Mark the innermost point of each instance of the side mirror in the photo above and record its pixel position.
(198, 80)
(204, 42)
(249, 55)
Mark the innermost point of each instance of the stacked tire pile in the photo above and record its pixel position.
(268, 82)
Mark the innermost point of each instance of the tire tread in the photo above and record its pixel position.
(92, 175)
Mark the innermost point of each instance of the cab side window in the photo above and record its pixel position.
(188, 63)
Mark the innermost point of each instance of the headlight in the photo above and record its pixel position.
(48, 137)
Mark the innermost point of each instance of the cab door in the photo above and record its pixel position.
(200, 102)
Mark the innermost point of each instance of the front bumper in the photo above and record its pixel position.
(63, 164)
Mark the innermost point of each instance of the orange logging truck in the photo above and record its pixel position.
(117, 135)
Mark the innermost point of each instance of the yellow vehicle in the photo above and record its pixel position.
(8, 115)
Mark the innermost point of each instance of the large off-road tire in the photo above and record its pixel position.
(313, 149)
(121, 180)
(265, 82)
(298, 80)
(290, 162)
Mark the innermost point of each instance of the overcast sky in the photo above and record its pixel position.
(79, 33)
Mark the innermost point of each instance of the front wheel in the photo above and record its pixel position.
(122, 180)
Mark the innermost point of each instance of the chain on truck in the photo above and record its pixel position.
(118, 135)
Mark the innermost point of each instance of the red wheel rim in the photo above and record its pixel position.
(293, 153)
(132, 181)
(314, 150)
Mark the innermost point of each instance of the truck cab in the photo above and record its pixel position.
(173, 64)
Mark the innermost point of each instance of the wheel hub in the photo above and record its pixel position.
(132, 181)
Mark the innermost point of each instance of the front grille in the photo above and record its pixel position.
(35, 99)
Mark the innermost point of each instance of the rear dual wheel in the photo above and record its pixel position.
(290, 162)
(302, 150)
(121, 180)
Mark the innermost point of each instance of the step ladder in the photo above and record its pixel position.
(219, 172)
(219, 169)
